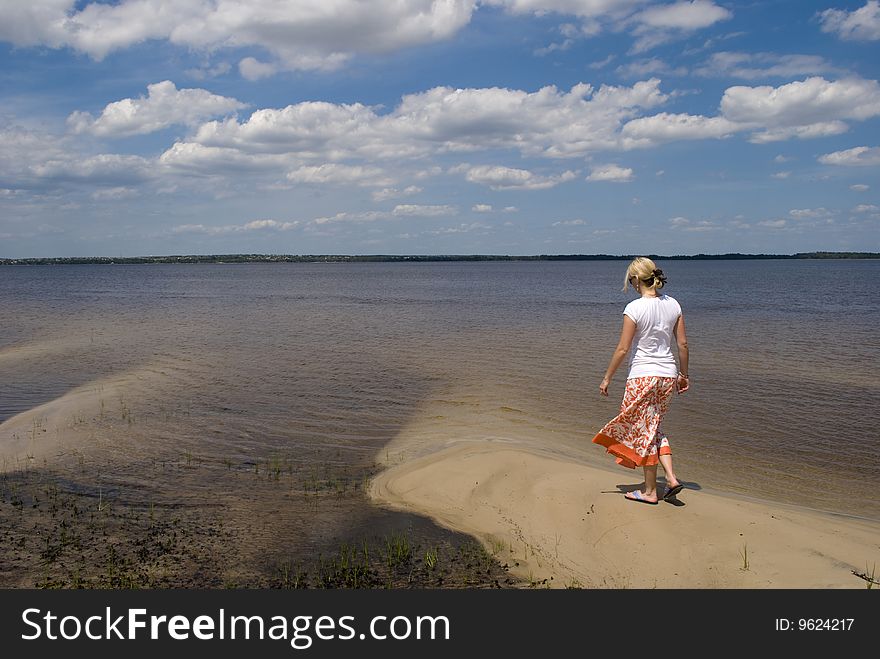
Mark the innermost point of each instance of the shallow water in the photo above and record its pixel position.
(338, 365)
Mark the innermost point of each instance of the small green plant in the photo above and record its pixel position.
(869, 578)
(744, 552)
(431, 558)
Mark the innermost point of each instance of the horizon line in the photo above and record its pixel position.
(278, 257)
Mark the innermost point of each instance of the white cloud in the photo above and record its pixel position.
(780, 175)
(569, 223)
(612, 173)
(115, 194)
(482, 208)
(863, 24)
(762, 65)
(198, 159)
(393, 193)
(644, 67)
(207, 71)
(859, 187)
(665, 127)
(338, 173)
(367, 216)
(863, 156)
(253, 69)
(809, 213)
(662, 23)
(583, 8)
(543, 123)
(866, 208)
(601, 64)
(805, 108)
(461, 228)
(164, 106)
(820, 129)
(684, 224)
(781, 159)
(307, 34)
(507, 178)
(684, 15)
(105, 169)
(419, 210)
(254, 225)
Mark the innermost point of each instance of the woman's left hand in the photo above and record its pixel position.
(603, 388)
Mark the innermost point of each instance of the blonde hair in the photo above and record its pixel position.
(646, 271)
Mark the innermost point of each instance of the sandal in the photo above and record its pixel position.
(638, 497)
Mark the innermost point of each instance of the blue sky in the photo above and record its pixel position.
(139, 127)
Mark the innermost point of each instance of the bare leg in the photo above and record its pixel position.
(651, 482)
(649, 494)
(666, 461)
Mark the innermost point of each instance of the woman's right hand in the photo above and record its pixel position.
(603, 387)
(683, 383)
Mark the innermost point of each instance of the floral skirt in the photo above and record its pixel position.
(634, 436)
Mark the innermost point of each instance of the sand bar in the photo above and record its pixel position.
(567, 523)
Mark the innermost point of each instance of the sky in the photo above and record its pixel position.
(157, 127)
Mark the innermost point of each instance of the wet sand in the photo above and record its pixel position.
(100, 489)
(562, 523)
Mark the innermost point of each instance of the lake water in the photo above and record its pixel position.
(336, 364)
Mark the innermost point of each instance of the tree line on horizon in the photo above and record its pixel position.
(391, 258)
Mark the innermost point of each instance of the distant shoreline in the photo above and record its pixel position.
(417, 258)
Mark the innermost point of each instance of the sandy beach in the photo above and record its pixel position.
(559, 523)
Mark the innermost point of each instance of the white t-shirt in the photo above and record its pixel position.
(652, 344)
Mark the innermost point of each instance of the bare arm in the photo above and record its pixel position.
(627, 333)
(681, 339)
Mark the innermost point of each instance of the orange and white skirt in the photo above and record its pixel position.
(634, 436)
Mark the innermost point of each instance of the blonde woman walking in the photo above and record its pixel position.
(650, 323)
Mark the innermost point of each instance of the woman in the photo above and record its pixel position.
(649, 324)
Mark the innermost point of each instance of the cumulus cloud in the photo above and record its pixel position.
(781, 175)
(811, 108)
(860, 156)
(164, 106)
(859, 187)
(546, 122)
(866, 208)
(393, 193)
(650, 26)
(762, 65)
(338, 173)
(498, 177)
(684, 224)
(482, 208)
(612, 173)
(461, 228)
(200, 160)
(665, 127)
(569, 223)
(419, 210)
(662, 23)
(253, 225)
(814, 101)
(863, 24)
(809, 213)
(585, 8)
(310, 34)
